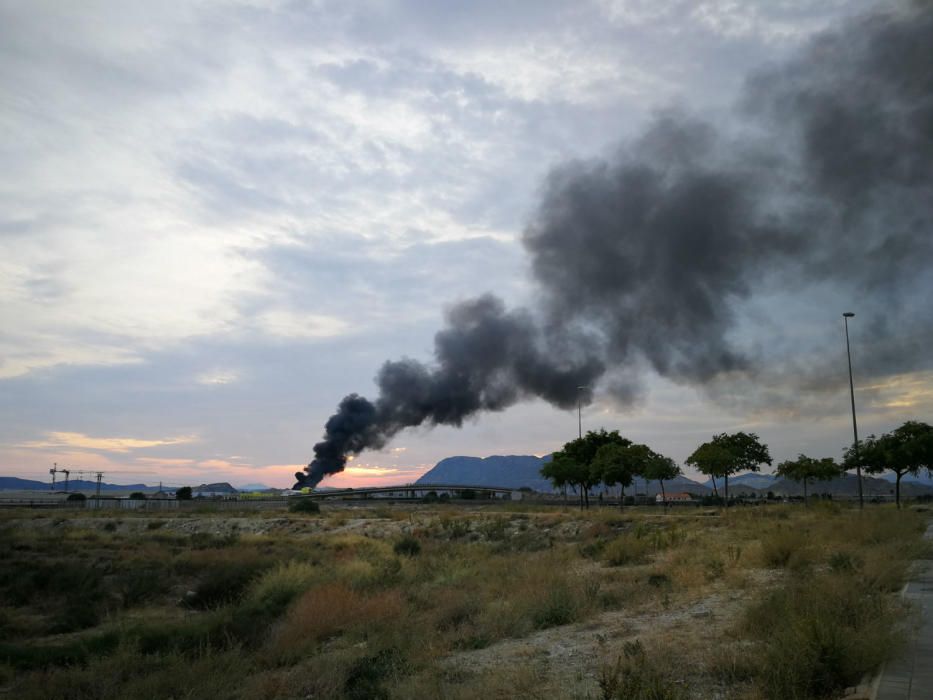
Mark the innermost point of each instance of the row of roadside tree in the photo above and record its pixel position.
(606, 457)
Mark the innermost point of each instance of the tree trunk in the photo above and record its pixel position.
(897, 488)
(621, 496)
(715, 490)
(663, 495)
(727, 490)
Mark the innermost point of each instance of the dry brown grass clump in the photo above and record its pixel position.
(330, 610)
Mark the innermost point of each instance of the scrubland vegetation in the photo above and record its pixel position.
(452, 602)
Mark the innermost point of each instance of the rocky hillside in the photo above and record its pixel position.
(514, 471)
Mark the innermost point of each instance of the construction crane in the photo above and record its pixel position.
(55, 470)
(85, 476)
(80, 473)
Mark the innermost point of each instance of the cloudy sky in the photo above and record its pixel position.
(218, 218)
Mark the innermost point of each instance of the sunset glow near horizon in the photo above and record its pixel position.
(219, 219)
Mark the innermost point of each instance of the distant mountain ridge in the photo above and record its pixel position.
(517, 471)
(509, 471)
(753, 479)
(13, 483)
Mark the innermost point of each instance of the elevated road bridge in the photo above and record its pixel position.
(417, 491)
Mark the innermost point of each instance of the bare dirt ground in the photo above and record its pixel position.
(563, 657)
(342, 520)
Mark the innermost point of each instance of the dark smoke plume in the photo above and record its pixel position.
(487, 358)
(649, 258)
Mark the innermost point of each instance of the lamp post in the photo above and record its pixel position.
(858, 462)
(580, 411)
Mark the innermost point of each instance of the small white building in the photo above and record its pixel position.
(680, 497)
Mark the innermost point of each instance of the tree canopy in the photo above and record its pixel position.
(660, 468)
(606, 457)
(620, 462)
(905, 450)
(575, 463)
(804, 469)
(730, 453)
(711, 459)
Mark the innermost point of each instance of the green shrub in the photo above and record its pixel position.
(276, 588)
(455, 528)
(72, 651)
(627, 549)
(303, 505)
(78, 613)
(634, 676)
(365, 678)
(76, 498)
(222, 584)
(821, 635)
(494, 529)
(41, 580)
(784, 548)
(715, 568)
(845, 562)
(560, 606)
(191, 637)
(139, 585)
(408, 546)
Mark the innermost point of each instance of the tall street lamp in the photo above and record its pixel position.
(580, 411)
(858, 462)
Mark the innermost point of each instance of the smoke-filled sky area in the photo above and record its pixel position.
(217, 220)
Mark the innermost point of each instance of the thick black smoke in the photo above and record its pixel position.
(487, 358)
(649, 258)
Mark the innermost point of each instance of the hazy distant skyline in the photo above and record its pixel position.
(217, 219)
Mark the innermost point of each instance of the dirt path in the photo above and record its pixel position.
(569, 657)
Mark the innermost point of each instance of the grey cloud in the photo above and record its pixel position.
(661, 245)
(374, 285)
(649, 255)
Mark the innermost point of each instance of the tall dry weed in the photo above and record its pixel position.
(330, 610)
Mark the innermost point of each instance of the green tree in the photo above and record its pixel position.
(660, 468)
(730, 453)
(712, 460)
(560, 471)
(905, 450)
(803, 469)
(183, 494)
(619, 463)
(137, 496)
(573, 464)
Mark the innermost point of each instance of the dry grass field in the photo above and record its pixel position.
(452, 601)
